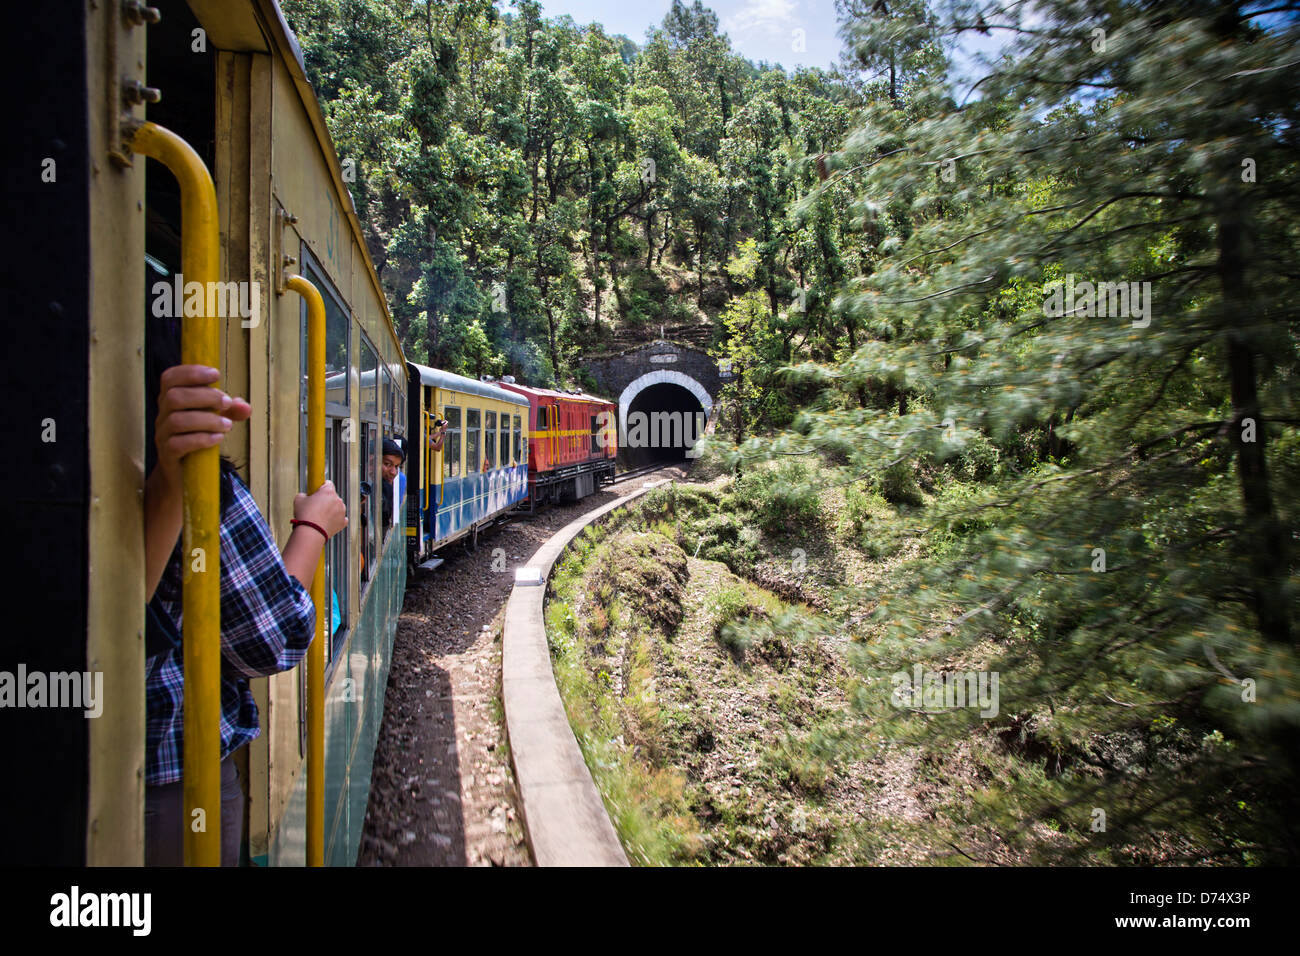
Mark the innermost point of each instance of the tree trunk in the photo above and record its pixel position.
(699, 237)
(550, 333)
(431, 337)
(1266, 539)
(649, 240)
(610, 227)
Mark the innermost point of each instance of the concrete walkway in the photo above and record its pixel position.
(564, 816)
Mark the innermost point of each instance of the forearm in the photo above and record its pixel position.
(163, 517)
(302, 553)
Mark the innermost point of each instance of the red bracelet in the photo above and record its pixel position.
(311, 524)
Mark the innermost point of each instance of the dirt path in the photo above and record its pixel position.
(442, 790)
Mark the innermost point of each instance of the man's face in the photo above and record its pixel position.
(391, 465)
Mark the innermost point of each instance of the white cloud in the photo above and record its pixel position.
(771, 17)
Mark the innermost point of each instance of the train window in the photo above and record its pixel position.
(522, 453)
(336, 553)
(489, 440)
(389, 402)
(373, 505)
(338, 442)
(369, 381)
(337, 340)
(371, 511)
(451, 443)
(336, 566)
(337, 352)
(471, 440)
(595, 433)
(504, 451)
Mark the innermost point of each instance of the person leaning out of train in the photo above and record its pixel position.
(391, 464)
(267, 617)
(437, 432)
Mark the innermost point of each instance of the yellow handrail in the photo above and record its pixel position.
(316, 654)
(201, 534)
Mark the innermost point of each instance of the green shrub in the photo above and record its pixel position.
(898, 484)
(732, 610)
(647, 571)
(782, 499)
(979, 460)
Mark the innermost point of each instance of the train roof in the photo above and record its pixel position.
(553, 393)
(461, 383)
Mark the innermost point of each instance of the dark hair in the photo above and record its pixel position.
(392, 448)
(162, 351)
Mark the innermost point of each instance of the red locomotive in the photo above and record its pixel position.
(572, 443)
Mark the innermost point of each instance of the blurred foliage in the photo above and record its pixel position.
(1109, 496)
(1106, 499)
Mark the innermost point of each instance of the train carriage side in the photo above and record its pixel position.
(573, 440)
(481, 470)
(314, 230)
(245, 105)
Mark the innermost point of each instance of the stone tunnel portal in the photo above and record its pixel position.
(663, 420)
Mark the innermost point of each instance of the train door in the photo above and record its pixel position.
(553, 422)
(433, 488)
(539, 432)
(452, 469)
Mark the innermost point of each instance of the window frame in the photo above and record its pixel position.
(370, 440)
(452, 438)
(473, 423)
(337, 425)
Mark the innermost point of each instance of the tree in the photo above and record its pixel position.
(1095, 241)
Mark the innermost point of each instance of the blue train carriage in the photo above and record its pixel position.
(479, 473)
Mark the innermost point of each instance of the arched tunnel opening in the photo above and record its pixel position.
(663, 421)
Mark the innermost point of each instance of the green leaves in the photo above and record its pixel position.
(1114, 521)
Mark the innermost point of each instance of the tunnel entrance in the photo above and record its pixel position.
(663, 421)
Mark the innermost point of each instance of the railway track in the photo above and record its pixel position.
(638, 472)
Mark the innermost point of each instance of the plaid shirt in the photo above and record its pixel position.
(267, 624)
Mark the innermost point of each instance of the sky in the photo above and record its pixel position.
(792, 33)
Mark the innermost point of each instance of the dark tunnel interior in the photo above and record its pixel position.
(650, 435)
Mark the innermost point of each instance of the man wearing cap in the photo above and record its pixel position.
(394, 457)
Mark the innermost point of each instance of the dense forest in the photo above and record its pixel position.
(1045, 327)
(533, 189)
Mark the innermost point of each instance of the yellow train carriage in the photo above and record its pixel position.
(227, 78)
(479, 473)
